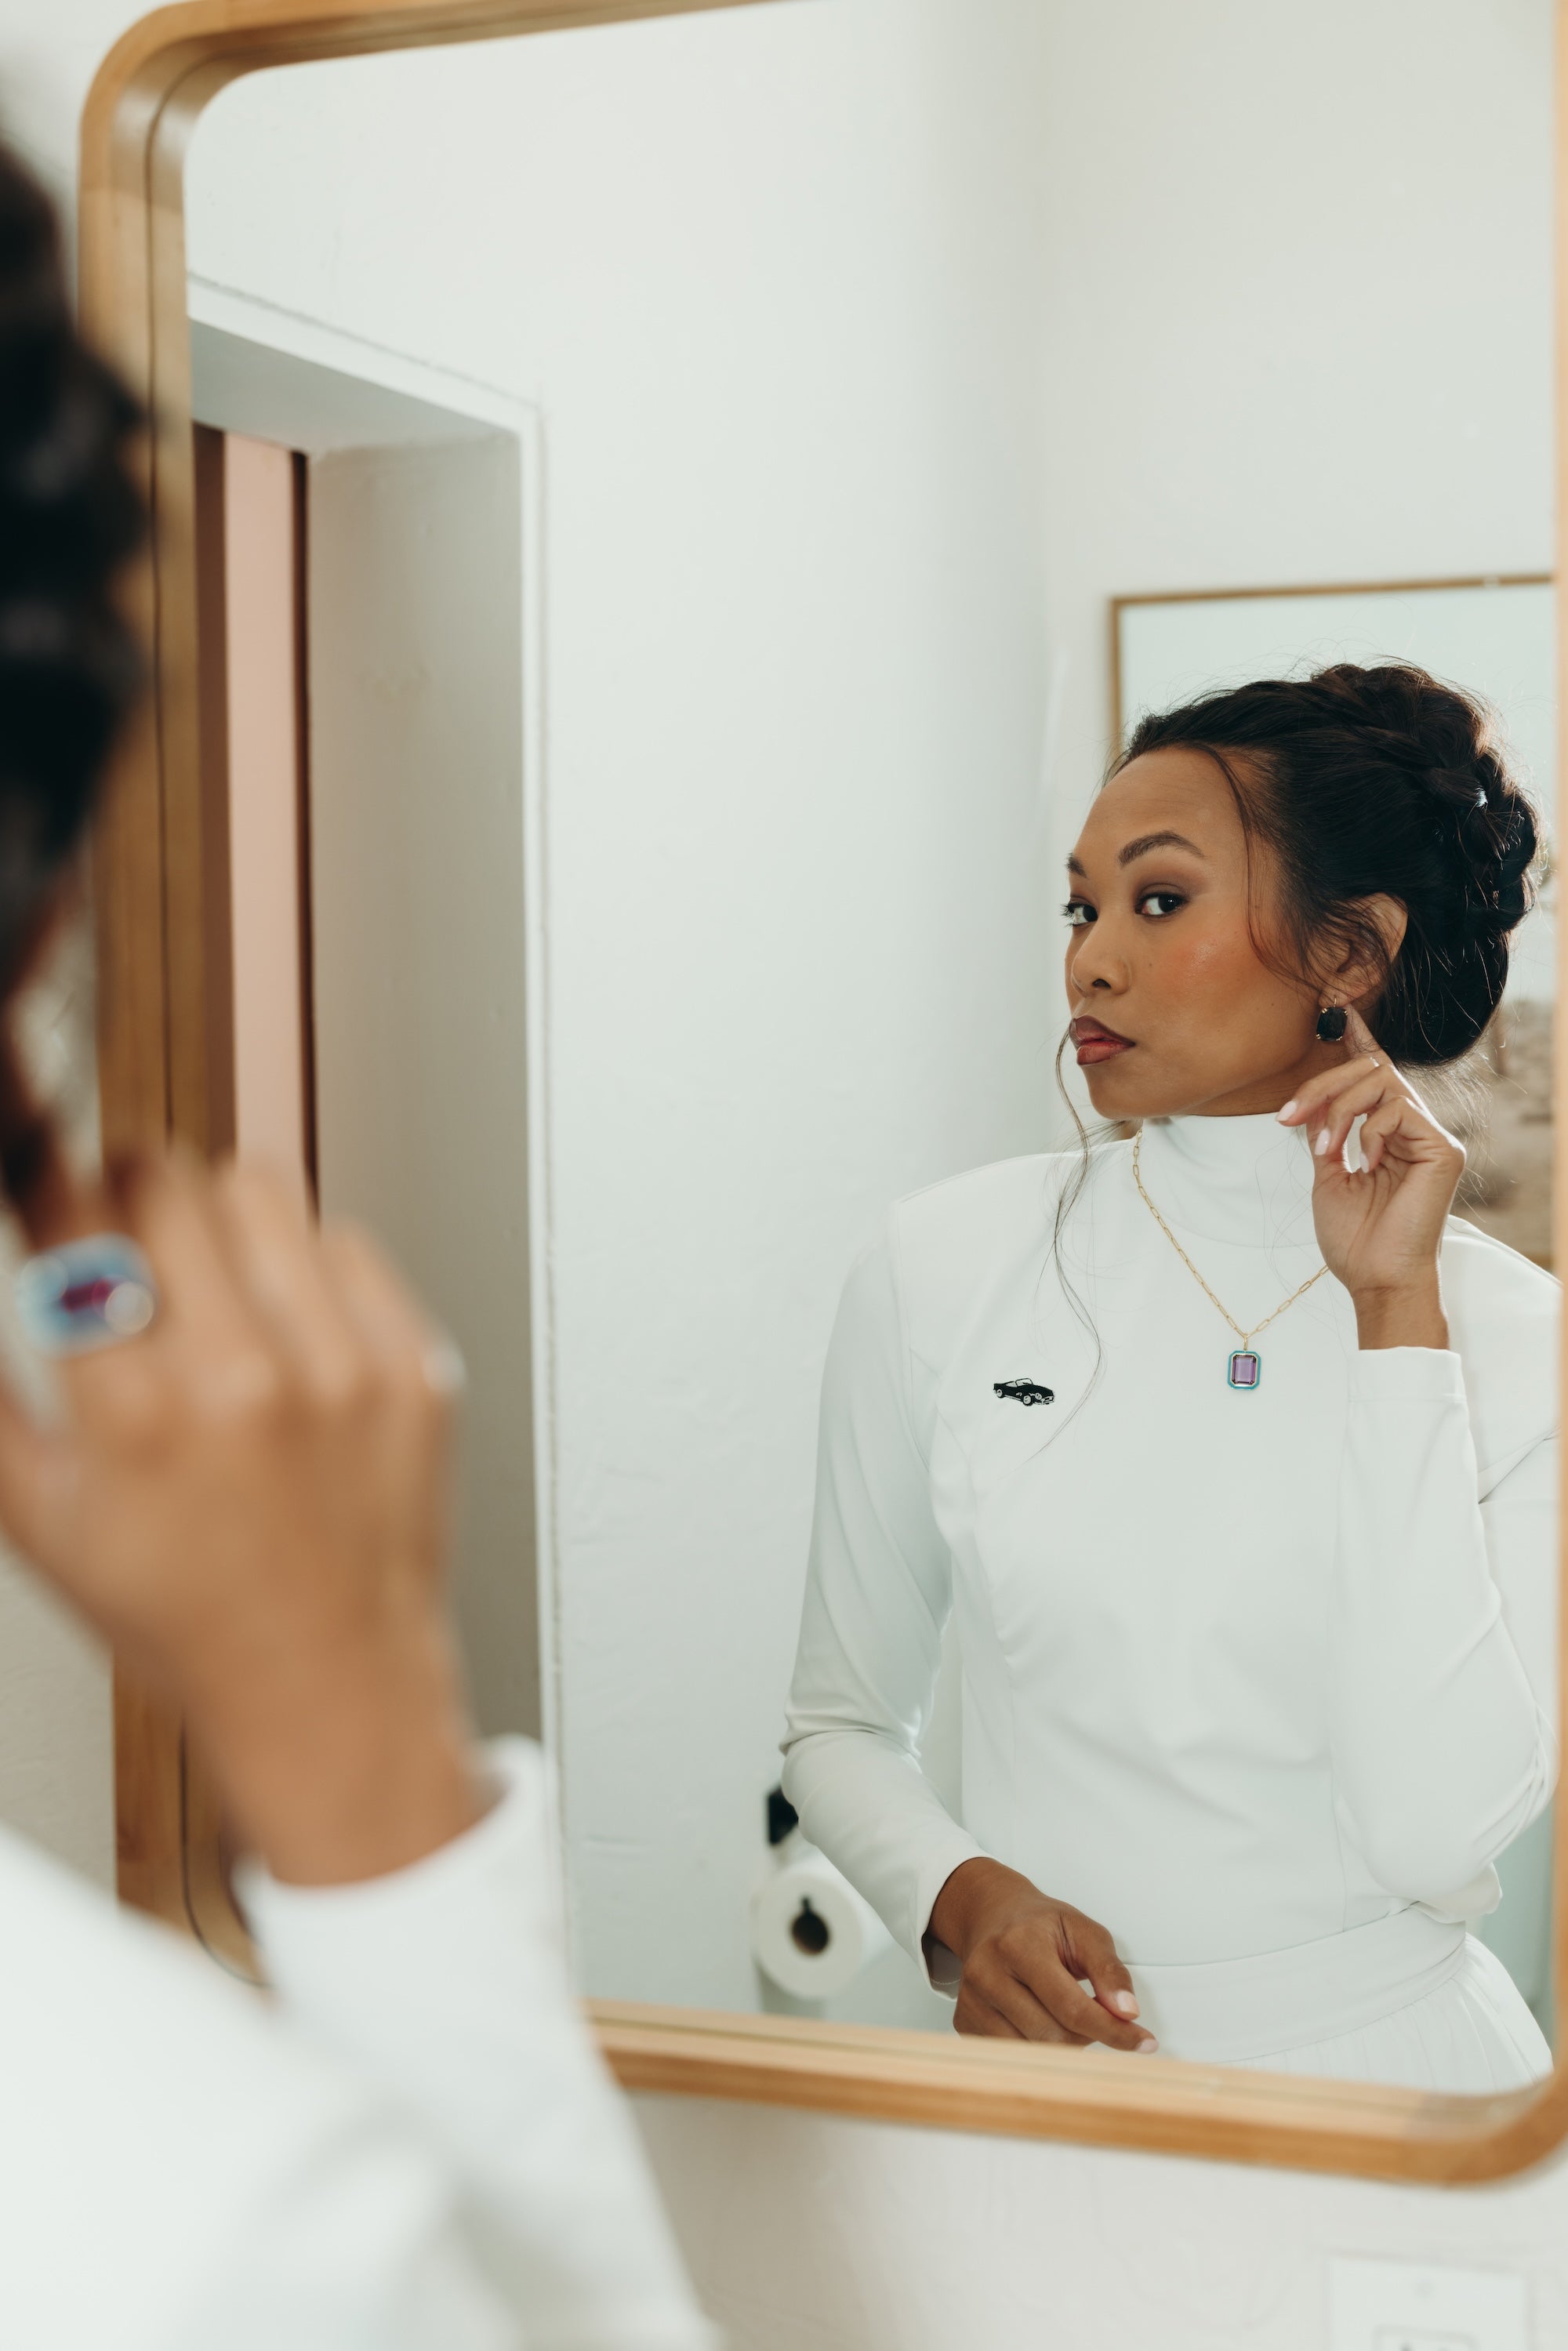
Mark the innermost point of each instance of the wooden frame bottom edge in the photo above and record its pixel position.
(1211, 2113)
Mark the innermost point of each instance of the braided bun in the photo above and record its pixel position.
(1380, 782)
(69, 515)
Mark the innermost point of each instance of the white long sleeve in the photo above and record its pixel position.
(1443, 1676)
(413, 2149)
(445, 1986)
(878, 1594)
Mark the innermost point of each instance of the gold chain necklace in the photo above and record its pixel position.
(1245, 1366)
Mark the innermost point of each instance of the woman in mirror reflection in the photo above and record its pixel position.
(1257, 1612)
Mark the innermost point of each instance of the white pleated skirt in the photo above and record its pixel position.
(1411, 2000)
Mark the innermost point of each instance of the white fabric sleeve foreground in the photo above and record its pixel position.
(878, 1593)
(361, 2243)
(179, 2171)
(446, 1985)
(1443, 1631)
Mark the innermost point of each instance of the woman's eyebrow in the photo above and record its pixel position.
(1144, 842)
(1147, 841)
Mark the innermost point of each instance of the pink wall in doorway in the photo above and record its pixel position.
(262, 575)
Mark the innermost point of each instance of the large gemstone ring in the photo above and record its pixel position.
(85, 1294)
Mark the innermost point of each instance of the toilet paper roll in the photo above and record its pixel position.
(811, 1932)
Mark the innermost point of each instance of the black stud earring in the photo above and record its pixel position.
(1330, 1023)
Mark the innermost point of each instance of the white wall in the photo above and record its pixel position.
(813, 2234)
(877, 342)
(418, 978)
(770, 279)
(1300, 276)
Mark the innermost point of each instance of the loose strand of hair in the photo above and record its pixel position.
(1067, 1199)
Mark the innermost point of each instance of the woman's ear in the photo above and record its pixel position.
(1358, 978)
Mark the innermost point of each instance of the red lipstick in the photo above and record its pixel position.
(1095, 1042)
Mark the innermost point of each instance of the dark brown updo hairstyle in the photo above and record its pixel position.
(1367, 783)
(69, 515)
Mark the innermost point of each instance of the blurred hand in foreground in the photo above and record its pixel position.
(249, 1501)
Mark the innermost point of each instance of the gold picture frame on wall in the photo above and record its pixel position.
(162, 1067)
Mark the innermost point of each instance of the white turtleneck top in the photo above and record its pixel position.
(1242, 1671)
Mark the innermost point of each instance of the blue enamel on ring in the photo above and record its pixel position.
(85, 1294)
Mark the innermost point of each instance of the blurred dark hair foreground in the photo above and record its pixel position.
(70, 514)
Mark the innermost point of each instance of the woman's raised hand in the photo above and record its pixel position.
(249, 1501)
(1380, 1228)
(1025, 1960)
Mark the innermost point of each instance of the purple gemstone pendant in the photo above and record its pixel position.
(1246, 1368)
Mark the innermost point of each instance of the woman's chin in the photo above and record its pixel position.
(1119, 1089)
(1113, 1089)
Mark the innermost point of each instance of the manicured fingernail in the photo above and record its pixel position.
(1321, 1146)
(1126, 2001)
(1285, 1111)
(1147, 2047)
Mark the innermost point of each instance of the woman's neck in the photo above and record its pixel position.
(1260, 1095)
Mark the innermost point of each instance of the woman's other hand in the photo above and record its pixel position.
(1025, 1959)
(1380, 1230)
(248, 1501)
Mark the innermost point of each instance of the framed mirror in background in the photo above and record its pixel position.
(769, 893)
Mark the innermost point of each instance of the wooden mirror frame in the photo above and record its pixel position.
(157, 852)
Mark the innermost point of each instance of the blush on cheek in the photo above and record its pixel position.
(1227, 1017)
(1196, 970)
(1223, 1014)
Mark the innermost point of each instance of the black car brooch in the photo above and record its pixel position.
(1025, 1392)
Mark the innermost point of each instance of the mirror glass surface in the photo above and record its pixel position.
(688, 513)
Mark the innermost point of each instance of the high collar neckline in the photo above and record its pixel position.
(1244, 1180)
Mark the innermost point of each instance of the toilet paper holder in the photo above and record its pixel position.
(812, 1933)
